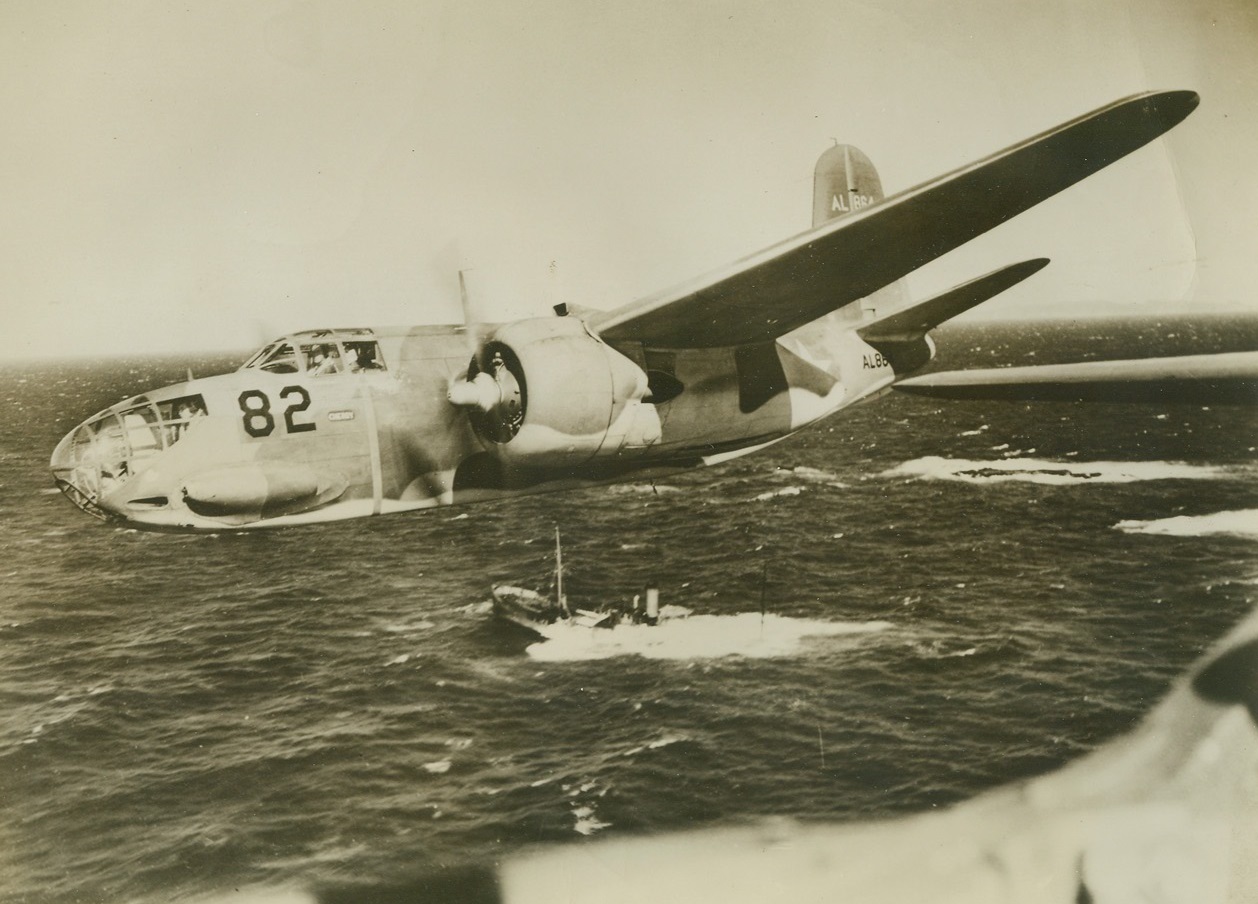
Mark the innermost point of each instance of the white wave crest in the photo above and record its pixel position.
(587, 821)
(1242, 523)
(1054, 473)
(641, 489)
(813, 475)
(413, 627)
(656, 745)
(477, 609)
(747, 634)
(774, 494)
(665, 742)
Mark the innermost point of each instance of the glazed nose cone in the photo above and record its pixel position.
(104, 465)
(92, 463)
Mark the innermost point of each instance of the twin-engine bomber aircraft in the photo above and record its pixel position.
(339, 423)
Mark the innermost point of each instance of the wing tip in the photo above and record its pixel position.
(1168, 108)
(1178, 104)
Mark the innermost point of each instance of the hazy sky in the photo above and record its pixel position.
(210, 174)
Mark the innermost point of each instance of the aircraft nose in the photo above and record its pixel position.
(103, 465)
(89, 462)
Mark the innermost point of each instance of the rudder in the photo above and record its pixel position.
(844, 181)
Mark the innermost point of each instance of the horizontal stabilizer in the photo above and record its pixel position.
(1229, 378)
(797, 281)
(918, 319)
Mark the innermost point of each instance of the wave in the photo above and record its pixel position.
(641, 489)
(748, 635)
(413, 627)
(587, 821)
(937, 649)
(813, 475)
(668, 741)
(482, 608)
(1242, 523)
(775, 494)
(1055, 473)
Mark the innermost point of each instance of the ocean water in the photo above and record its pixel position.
(954, 595)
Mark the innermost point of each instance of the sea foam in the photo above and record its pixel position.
(1243, 523)
(1054, 473)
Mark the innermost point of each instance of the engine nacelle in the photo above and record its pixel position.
(906, 355)
(547, 393)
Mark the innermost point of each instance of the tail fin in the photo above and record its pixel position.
(845, 181)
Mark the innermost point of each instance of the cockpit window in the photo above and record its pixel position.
(282, 360)
(109, 449)
(143, 432)
(319, 352)
(278, 358)
(178, 416)
(322, 358)
(258, 357)
(363, 356)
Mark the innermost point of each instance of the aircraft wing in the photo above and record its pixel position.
(1228, 378)
(796, 281)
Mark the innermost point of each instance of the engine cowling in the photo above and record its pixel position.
(906, 355)
(547, 393)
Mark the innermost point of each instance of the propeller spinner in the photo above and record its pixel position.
(492, 391)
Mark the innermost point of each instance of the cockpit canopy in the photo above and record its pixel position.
(319, 352)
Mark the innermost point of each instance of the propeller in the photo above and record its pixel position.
(475, 330)
(477, 389)
(492, 389)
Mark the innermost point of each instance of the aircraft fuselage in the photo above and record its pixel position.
(280, 443)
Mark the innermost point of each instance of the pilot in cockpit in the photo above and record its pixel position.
(188, 411)
(361, 356)
(325, 361)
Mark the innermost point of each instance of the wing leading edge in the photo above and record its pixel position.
(803, 278)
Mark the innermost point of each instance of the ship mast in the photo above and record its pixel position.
(563, 602)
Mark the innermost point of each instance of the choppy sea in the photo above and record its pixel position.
(954, 595)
